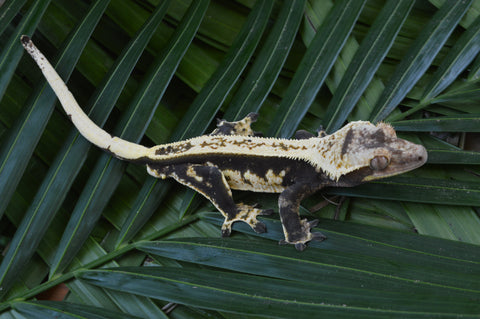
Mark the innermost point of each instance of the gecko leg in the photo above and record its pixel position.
(296, 230)
(241, 127)
(211, 183)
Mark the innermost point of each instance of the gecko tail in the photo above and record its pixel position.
(91, 131)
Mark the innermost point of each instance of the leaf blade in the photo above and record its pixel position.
(13, 50)
(366, 61)
(311, 73)
(108, 171)
(457, 123)
(206, 104)
(366, 263)
(15, 150)
(15, 258)
(268, 64)
(419, 57)
(424, 190)
(52, 309)
(458, 58)
(209, 100)
(245, 294)
(68, 162)
(152, 191)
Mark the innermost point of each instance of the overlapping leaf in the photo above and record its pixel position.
(248, 295)
(314, 67)
(49, 309)
(335, 272)
(357, 265)
(202, 110)
(108, 171)
(419, 57)
(366, 61)
(25, 137)
(151, 194)
(268, 63)
(12, 50)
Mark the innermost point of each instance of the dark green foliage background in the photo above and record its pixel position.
(157, 71)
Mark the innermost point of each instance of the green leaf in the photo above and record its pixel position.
(13, 50)
(466, 92)
(26, 135)
(18, 146)
(52, 309)
(357, 265)
(115, 302)
(438, 156)
(424, 190)
(457, 123)
(459, 57)
(441, 152)
(108, 171)
(450, 222)
(384, 265)
(474, 74)
(211, 97)
(268, 64)
(366, 61)
(203, 108)
(419, 56)
(314, 67)
(70, 159)
(247, 294)
(151, 194)
(10, 9)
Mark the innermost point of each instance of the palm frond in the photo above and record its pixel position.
(156, 71)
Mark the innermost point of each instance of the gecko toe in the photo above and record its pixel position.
(266, 212)
(253, 116)
(313, 223)
(260, 211)
(300, 246)
(226, 229)
(260, 228)
(226, 232)
(317, 236)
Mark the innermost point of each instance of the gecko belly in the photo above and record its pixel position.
(270, 182)
(247, 173)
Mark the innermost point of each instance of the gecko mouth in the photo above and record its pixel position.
(407, 158)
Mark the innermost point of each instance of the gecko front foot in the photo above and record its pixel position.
(247, 214)
(303, 236)
(241, 127)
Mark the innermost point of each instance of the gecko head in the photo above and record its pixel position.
(370, 152)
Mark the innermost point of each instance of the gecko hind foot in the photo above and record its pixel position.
(317, 236)
(301, 238)
(247, 214)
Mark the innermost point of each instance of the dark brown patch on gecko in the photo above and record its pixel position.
(347, 141)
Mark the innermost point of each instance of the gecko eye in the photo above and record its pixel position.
(379, 163)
